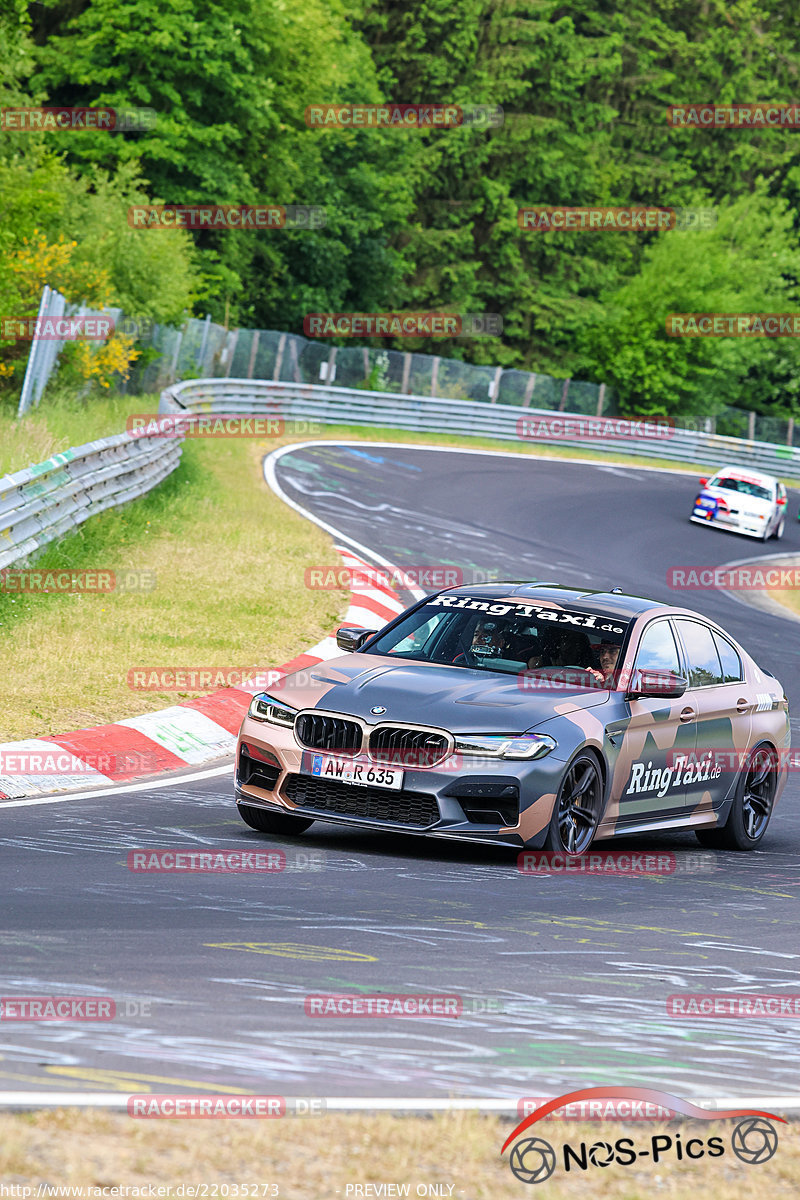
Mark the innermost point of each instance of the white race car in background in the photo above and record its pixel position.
(742, 501)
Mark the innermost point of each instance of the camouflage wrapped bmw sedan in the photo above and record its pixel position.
(526, 714)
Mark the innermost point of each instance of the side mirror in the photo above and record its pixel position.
(703, 481)
(352, 637)
(656, 685)
(781, 501)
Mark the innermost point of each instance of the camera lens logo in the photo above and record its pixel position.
(533, 1160)
(754, 1141)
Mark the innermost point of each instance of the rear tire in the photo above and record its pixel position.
(268, 822)
(578, 806)
(751, 808)
(779, 530)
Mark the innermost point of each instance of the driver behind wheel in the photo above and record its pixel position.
(565, 648)
(606, 655)
(487, 642)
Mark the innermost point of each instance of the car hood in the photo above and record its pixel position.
(459, 699)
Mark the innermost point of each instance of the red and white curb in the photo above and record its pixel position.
(183, 735)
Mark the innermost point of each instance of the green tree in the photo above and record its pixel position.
(748, 262)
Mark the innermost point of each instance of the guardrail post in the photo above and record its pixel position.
(434, 374)
(601, 396)
(529, 386)
(203, 344)
(295, 362)
(751, 426)
(276, 371)
(790, 432)
(174, 367)
(230, 351)
(406, 372)
(253, 348)
(494, 386)
(564, 392)
(329, 373)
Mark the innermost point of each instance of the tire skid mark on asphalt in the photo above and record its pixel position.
(299, 950)
(441, 1061)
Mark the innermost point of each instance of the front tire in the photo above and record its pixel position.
(578, 806)
(751, 808)
(268, 822)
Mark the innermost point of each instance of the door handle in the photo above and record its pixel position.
(742, 706)
(687, 714)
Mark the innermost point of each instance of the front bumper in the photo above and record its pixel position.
(502, 801)
(731, 525)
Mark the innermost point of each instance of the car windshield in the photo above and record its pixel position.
(731, 484)
(505, 636)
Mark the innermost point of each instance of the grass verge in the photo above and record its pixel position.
(329, 1157)
(228, 561)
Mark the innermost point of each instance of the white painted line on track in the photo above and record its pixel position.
(421, 1104)
(271, 480)
(157, 782)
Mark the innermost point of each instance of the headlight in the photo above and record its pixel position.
(264, 708)
(494, 745)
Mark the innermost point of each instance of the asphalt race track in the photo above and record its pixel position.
(564, 979)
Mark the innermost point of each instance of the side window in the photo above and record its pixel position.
(657, 649)
(703, 665)
(731, 663)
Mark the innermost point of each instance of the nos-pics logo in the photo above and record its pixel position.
(533, 1159)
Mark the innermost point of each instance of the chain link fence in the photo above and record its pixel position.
(204, 350)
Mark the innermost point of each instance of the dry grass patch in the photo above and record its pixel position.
(316, 1159)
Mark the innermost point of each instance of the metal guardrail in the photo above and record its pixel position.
(49, 499)
(423, 414)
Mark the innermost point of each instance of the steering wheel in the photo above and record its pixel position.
(462, 648)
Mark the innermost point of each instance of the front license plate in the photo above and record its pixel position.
(366, 774)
